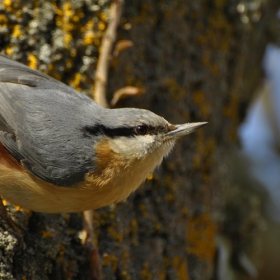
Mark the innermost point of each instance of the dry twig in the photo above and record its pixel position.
(122, 45)
(125, 92)
(109, 37)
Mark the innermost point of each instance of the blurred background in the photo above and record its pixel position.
(211, 211)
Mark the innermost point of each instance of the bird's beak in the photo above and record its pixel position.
(183, 129)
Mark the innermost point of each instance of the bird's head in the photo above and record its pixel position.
(138, 134)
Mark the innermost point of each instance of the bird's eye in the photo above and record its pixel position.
(141, 129)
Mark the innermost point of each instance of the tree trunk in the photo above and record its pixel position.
(197, 61)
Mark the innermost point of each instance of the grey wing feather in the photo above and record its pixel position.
(15, 72)
(41, 123)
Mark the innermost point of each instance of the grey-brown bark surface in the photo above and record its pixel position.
(197, 61)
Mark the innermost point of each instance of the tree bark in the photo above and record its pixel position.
(197, 61)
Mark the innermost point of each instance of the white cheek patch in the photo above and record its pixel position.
(168, 147)
(138, 146)
(148, 151)
(141, 146)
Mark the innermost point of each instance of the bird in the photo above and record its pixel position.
(60, 152)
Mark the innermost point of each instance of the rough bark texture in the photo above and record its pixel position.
(197, 61)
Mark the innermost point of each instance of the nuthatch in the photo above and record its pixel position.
(62, 152)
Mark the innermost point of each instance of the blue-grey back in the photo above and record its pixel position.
(41, 123)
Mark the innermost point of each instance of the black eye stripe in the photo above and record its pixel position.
(122, 131)
(110, 132)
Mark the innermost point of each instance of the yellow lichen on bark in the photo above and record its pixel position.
(201, 237)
